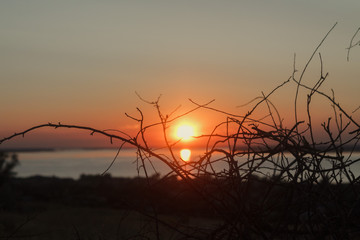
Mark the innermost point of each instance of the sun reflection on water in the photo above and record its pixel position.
(185, 154)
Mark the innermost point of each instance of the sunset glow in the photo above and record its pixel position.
(185, 132)
(185, 154)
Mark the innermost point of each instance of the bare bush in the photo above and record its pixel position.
(7, 164)
(276, 181)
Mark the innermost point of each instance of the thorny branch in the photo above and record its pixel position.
(260, 178)
(352, 44)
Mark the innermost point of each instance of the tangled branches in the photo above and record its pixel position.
(262, 179)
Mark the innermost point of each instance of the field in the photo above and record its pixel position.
(42, 220)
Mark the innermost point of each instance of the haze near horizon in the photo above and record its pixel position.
(81, 62)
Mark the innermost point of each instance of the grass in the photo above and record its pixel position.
(44, 220)
(311, 191)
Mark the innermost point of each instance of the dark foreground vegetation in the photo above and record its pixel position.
(280, 181)
(170, 196)
(35, 196)
(267, 204)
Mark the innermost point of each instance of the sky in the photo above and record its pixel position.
(81, 62)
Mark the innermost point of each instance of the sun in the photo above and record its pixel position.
(185, 131)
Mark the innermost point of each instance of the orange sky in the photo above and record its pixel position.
(81, 62)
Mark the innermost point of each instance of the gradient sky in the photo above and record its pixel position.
(81, 62)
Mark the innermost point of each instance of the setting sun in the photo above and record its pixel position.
(185, 132)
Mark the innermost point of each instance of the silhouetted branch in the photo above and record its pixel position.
(258, 177)
(352, 44)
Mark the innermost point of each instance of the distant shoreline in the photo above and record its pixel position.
(24, 150)
(21, 150)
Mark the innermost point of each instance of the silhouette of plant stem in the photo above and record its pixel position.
(352, 44)
(260, 178)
